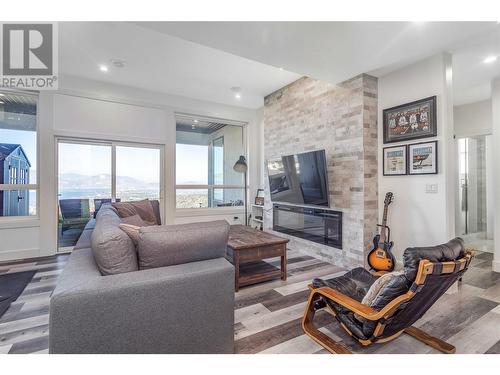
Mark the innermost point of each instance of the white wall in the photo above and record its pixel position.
(90, 109)
(495, 101)
(418, 218)
(472, 119)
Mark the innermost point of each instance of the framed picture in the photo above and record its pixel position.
(395, 163)
(410, 121)
(423, 158)
(259, 198)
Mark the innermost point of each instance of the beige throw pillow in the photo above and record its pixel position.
(376, 288)
(132, 231)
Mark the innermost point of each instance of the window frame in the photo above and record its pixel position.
(180, 211)
(5, 221)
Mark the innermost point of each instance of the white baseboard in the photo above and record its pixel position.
(19, 254)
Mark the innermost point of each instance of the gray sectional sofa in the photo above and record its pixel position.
(182, 308)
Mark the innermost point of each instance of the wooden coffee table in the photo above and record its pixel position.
(246, 249)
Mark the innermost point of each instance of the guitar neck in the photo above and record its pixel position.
(383, 229)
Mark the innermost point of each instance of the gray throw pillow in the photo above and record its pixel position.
(114, 251)
(132, 231)
(161, 246)
(135, 220)
(142, 208)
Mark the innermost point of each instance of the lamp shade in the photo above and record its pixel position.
(241, 165)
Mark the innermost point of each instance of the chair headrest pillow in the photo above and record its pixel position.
(452, 250)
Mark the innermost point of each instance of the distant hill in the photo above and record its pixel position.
(76, 181)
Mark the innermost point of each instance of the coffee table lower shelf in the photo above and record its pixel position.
(257, 272)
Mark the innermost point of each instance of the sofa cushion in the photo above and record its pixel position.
(113, 250)
(161, 246)
(142, 208)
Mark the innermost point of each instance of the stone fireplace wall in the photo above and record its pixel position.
(341, 119)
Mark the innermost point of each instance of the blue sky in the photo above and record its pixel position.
(191, 164)
(140, 163)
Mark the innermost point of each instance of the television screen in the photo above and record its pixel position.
(299, 179)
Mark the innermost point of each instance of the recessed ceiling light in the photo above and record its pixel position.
(117, 63)
(103, 68)
(237, 92)
(281, 68)
(490, 59)
(1, 102)
(2, 94)
(195, 121)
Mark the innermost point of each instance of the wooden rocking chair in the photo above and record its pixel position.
(428, 273)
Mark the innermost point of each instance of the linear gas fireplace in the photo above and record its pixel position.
(318, 225)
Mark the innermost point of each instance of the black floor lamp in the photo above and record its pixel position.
(241, 167)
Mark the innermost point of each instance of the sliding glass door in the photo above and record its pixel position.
(84, 177)
(92, 173)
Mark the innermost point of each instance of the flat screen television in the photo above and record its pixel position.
(299, 179)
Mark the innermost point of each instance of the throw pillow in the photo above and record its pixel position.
(114, 251)
(142, 208)
(376, 288)
(167, 245)
(132, 231)
(135, 220)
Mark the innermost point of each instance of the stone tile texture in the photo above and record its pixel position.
(341, 119)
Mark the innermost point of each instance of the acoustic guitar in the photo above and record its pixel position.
(380, 257)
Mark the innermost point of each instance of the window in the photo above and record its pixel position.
(206, 151)
(137, 173)
(91, 173)
(18, 154)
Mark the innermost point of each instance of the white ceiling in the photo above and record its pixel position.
(471, 76)
(163, 63)
(203, 60)
(336, 51)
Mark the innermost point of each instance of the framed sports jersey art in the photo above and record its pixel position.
(410, 121)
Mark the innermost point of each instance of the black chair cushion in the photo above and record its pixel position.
(354, 284)
(412, 256)
(398, 285)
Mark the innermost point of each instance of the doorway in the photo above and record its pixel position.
(473, 219)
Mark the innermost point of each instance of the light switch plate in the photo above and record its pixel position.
(431, 188)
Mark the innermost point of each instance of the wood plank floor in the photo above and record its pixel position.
(268, 315)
